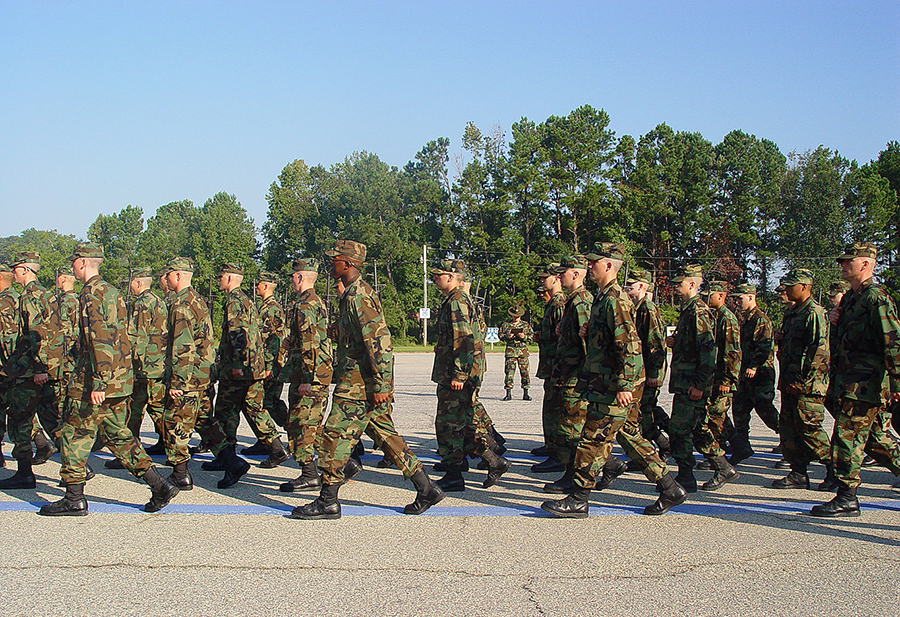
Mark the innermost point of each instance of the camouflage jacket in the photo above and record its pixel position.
(728, 348)
(694, 353)
(867, 358)
(149, 330)
(516, 347)
(480, 331)
(29, 357)
(241, 344)
(103, 363)
(757, 341)
(652, 332)
(570, 349)
(309, 358)
(365, 357)
(9, 323)
(804, 351)
(548, 338)
(272, 330)
(62, 334)
(189, 347)
(459, 350)
(614, 362)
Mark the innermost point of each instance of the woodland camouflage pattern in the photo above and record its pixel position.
(548, 340)
(189, 351)
(61, 334)
(804, 351)
(149, 329)
(241, 344)
(694, 352)
(570, 348)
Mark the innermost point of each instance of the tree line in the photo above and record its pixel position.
(506, 203)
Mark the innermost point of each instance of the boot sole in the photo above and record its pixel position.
(704, 487)
(245, 467)
(297, 489)
(315, 517)
(851, 514)
(71, 513)
(559, 514)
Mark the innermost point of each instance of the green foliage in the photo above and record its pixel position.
(55, 249)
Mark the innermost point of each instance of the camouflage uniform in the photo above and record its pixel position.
(651, 330)
(9, 334)
(149, 328)
(516, 352)
(552, 403)
(483, 423)
(272, 330)
(728, 362)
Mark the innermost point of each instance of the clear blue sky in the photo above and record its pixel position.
(105, 104)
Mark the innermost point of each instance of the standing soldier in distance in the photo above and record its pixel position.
(548, 338)
(803, 381)
(241, 368)
(364, 382)
(866, 375)
(516, 334)
(9, 334)
(99, 391)
(308, 371)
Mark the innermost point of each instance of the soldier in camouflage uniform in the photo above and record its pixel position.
(691, 382)
(611, 380)
(516, 334)
(98, 392)
(457, 371)
(9, 334)
(803, 381)
(272, 325)
(241, 368)
(866, 377)
(364, 382)
(308, 370)
(548, 338)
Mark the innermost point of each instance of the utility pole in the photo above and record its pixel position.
(424, 294)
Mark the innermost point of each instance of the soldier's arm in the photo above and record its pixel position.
(582, 318)
(890, 329)
(238, 331)
(763, 343)
(183, 347)
(310, 331)
(377, 341)
(656, 354)
(706, 351)
(732, 351)
(627, 344)
(463, 343)
(99, 337)
(504, 334)
(814, 364)
(271, 326)
(140, 329)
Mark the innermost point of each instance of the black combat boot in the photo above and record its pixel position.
(525, 396)
(385, 462)
(686, 479)
(359, 450)
(257, 449)
(24, 476)
(541, 451)
(830, 483)
(277, 455)
(181, 477)
(219, 463)
(740, 453)
(663, 446)
(496, 435)
(575, 505)
(352, 468)
(427, 493)
(843, 504)
(325, 506)
(612, 469)
(782, 464)
(724, 473)
(157, 449)
(565, 484)
(43, 449)
(704, 464)
(497, 466)
(453, 481)
(508, 396)
(235, 467)
(796, 479)
(161, 491)
(114, 463)
(551, 465)
(671, 494)
(442, 466)
(73, 503)
(307, 480)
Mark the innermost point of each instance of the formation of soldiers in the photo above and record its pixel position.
(79, 371)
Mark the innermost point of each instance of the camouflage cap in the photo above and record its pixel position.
(87, 250)
(516, 310)
(231, 267)
(163, 271)
(798, 276)
(26, 257)
(548, 269)
(717, 287)
(307, 264)
(267, 277)
(449, 266)
(745, 288)
(608, 250)
(180, 264)
(348, 248)
(637, 275)
(780, 288)
(838, 287)
(142, 272)
(859, 249)
(572, 261)
(688, 271)
(66, 270)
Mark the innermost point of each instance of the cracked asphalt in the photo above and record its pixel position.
(744, 550)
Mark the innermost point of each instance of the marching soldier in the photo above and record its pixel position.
(9, 334)
(516, 334)
(548, 338)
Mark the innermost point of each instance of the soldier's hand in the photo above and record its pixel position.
(237, 373)
(381, 397)
(895, 397)
(175, 393)
(97, 398)
(652, 382)
(793, 388)
(724, 389)
(557, 329)
(304, 388)
(670, 341)
(521, 335)
(750, 373)
(694, 394)
(582, 331)
(456, 385)
(624, 399)
(833, 315)
(41, 378)
(268, 375)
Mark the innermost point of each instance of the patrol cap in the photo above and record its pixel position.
(230, 267)
(516, 310)
(65, 270)
(608, 250)
(688, 271)
(745, 288)
(572, 261)
(163, 271)
(717, 287)
(798, 276)
(548, 269)
(859, 249)
(637, 275)
(838, 287)
(267, 277)
(449, 266)
(780, 288)
(348, 248)
(142, 272)
(26, 257)
(306, 264)
(87, 250)
(179, 264)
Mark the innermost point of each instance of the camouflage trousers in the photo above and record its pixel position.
(572, 414)
(149, 394)
(206, 416)
(108, 419)
(687, 415)
(803, 439)
(455, 425)
(272, 402)
(654, 419)
(880, 431)
(850, 441)
(244, 395)
(345, 424)
(304, 421)
(27, 400)
(757, 393)
(708, 434)
(179, 421)
(510, 369)
(483, 422)
(551, 407)
(605, 423)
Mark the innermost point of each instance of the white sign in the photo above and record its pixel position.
(424, 313)
(492, 335)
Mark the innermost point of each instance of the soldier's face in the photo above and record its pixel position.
(636, 290)
(746, 301)
(223, 282)
(549, 282)
(854, 269)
